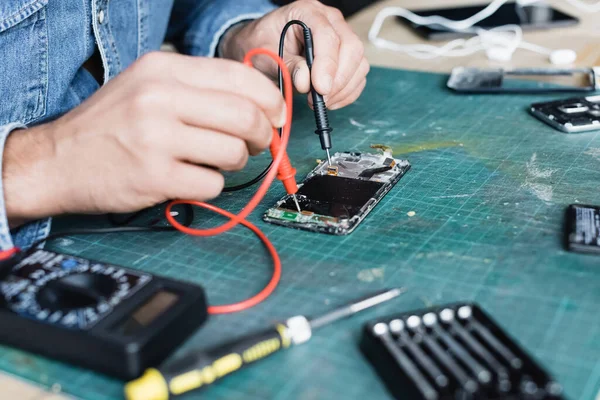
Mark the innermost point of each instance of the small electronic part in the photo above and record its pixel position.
(582, 228)
(332, 170)
(452, 352)
(499, 80)
(574, 115)
(99, 316)
(339, 196)
(202, 368)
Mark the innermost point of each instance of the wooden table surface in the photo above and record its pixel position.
(583, 38)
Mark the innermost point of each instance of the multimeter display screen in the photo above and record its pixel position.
(147, 313)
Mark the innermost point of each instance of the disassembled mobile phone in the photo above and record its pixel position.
(335, 198)
(499, 80)
(581, 114)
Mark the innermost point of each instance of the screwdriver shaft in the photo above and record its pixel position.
(328, 157)
(355, 307)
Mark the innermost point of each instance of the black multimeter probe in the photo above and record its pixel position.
(202, 368)
(319, 106)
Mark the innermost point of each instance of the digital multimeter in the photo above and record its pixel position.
(99, 316)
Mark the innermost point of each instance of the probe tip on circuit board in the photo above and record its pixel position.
(296, 203)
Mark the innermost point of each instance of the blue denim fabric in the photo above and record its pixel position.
(44, 44)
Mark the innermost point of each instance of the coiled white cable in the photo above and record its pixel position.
(499, 43)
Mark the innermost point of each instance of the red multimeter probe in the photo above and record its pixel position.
(282, 169)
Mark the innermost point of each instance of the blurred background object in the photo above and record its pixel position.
(348, 7)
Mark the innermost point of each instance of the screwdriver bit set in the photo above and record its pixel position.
(453, 352)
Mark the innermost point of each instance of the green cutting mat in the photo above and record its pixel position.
(477, 218)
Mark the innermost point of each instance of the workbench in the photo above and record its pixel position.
(478, 218)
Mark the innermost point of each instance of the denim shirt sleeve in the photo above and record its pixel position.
(198, 25)
(26, 235)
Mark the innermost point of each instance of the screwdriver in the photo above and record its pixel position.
(202, 368)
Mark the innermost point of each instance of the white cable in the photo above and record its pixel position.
(499, 42)
(485, 39)
(586, 7)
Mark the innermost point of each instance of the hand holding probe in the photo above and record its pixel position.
(202, 368)
(319, 106)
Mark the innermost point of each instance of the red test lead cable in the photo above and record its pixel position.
(282, 168)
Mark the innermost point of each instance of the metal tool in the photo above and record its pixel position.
(397, 328)
(482, 374)
(296, 203)
(466, 313)
(202, 368)
(447, 315)
(422, 384)
(470, 385)
(497, 80)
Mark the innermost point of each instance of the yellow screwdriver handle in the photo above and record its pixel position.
(201, 369)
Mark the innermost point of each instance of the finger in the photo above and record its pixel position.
(352, 97)
(351, 51)
(300, 73)
(210, 148)
(192, 182)
(327, 49)
(351, 86)
(226, 76)
(226, 113)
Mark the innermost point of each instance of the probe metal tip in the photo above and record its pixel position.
(328, 157)
(296, 202)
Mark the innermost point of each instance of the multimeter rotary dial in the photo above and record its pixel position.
(70, 292)
(77, 291)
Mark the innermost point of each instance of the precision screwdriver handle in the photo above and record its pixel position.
(201, 369)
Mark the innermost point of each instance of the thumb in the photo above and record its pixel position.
(300, 73)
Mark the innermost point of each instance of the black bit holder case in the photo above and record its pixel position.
(452, 352)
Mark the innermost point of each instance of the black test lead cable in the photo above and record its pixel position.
(319, 107)
(188, 219)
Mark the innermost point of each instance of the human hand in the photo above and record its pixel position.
(339, 70)
(160, 130)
